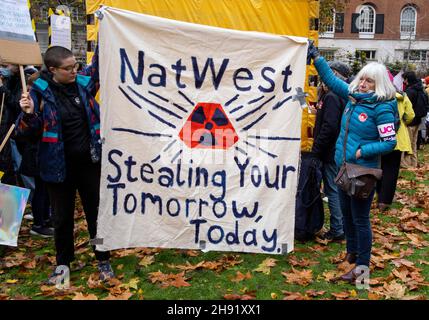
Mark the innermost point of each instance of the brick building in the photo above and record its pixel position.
(385, 30)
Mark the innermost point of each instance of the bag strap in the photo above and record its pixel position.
(346, 134)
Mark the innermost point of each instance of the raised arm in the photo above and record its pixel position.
(334, 83)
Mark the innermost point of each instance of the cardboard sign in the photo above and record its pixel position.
(60, 31)
(201, 128)
(17, 41)
(12, 205)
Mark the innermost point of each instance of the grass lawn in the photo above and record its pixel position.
(400, 263)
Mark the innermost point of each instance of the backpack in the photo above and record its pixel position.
(422, 104)
(309, 214)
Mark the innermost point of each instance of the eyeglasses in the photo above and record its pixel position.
(74, 67)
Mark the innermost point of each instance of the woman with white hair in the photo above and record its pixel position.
(369, 117)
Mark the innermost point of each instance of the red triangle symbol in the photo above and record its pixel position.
(208, 126)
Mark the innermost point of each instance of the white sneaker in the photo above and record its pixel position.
(28, 216)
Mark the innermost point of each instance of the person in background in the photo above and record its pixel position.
(62, 112)
(414, 91)
(370, 116)
(391, 162)
(6, 163)
(327, 127)
(13, 91)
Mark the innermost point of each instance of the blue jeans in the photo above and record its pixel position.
(330, 171)
(357, 226)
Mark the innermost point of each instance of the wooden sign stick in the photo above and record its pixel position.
(7, 136)
(2, 104)
(23, 83)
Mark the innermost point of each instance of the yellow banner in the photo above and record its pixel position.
(288, 17)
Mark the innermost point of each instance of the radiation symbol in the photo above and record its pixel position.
(208, 127)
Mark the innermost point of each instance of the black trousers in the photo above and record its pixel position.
(84, 177)
(386, 187)
(40, 203)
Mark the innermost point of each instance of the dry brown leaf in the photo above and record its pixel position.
(341, 295)
(419, 297)
(192, 253)
(301, 263)
(394, 290)
(230, 296)
(81, 296)
(20, 297)
(188, 266)
(294, 296)
(318, 248)
(128, 252)
(178, 282)
(329, 275)
(303, 278)
(30, 264)
(338, 258)
(374, 296)
(313, 293)
(324, 242)
(345, 266)
(413, 225)
(401, 273)
(240, 277)
(403, 262)
(113, 282)
(167, 280)
(266, 265)
(125, 295)
(94, 281)
(147, 261)
(424, 262)
(416, 240)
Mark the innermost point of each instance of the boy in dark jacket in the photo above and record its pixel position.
(62, 111)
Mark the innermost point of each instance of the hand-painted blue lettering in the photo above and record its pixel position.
(115, 188)
(138, 79)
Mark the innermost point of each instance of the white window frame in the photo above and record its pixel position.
(407, 34)
(372, 52)
(329, 33)
(423, 53)
(362, 20)
(324, 51)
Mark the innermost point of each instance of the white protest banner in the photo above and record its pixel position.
(17, 40)
(60, 31)
(201, 135)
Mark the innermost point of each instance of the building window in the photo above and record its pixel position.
(75, 14)
(43, 14)
(369, 54)
(328, 54)
(328, 29)
(416, 55)
(366, 22)
(408, 22)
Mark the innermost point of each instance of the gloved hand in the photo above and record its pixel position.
(312, 52)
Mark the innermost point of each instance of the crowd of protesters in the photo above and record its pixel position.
(55, 149)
